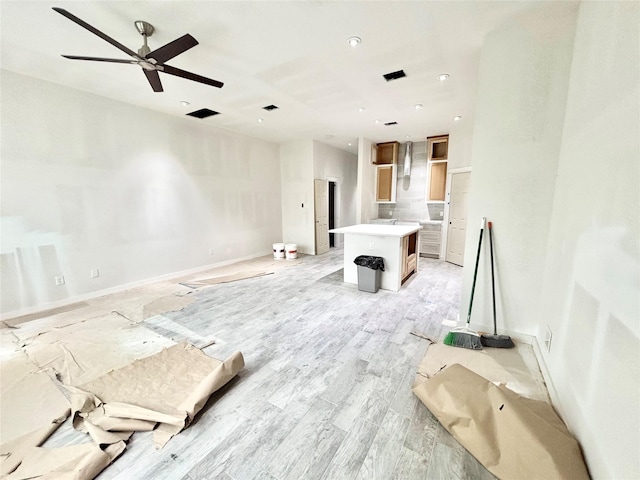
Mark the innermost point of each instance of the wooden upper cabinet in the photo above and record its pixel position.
(438, 148)
(386, 153)
(437, 181)
(437, 157)
(384, 183)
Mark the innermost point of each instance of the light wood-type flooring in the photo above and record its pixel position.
(326, 391)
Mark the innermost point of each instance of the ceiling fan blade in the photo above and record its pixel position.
(154, 80)
(191, 76)
(173, 49)
(95, 31)
(100, 59)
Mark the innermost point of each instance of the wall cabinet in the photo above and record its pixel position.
(438, 148)
(437, 156)
(386, 153)
(385, 183)
(437, 181)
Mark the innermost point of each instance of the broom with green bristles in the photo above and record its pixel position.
(463, 336)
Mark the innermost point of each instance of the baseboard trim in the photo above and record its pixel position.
(119, 288)
(553, 393)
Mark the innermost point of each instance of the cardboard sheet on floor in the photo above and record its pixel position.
(168, 388)
(169, 303)
(31, 406)
(85, 350)
(30, 399)
(77, 462)
(203, 282)
(512, 436)
(516, 368)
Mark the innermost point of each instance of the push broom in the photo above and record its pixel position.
(495, 340)
(463, 336)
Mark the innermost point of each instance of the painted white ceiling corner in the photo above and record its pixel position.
(291, 54)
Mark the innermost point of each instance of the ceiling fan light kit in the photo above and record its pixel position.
(151, 62)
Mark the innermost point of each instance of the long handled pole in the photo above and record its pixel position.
(495, 340)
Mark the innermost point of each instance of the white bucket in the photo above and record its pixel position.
(278, 250)
(291, 250)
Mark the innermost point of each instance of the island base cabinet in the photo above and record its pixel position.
(409, 255)
(397, 245)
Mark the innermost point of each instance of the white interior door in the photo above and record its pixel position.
(321, 188)
(457, 228)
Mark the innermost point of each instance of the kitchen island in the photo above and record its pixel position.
(398, 245)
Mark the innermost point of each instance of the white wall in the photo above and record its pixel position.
(90, 183)
(556, 165)
(522, 90)
(591, 285)
(334, 163)
(298, 221)
(460, 143)
(366, 207)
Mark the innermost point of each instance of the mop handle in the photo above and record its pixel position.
(475, 271)
(493, 287)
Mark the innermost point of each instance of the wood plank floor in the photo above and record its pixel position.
(325, 393)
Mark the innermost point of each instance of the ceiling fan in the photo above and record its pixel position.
(151, 62)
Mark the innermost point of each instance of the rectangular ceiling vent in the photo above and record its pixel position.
(270, 107)
(203, 113)
(391, 123)
(394, 75)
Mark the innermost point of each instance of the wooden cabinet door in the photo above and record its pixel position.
(437, 181)
(384, 183)
(405, 257)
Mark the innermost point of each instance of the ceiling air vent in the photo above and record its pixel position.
(270, 107)
(391, 123)
(203, 113)
(394, 75)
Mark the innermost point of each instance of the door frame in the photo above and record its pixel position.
(338, 239)
(445, 220)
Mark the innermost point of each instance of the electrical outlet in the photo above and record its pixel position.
(547, 339)
(94, 273)
(59, 280)
(372, 246)
(211, 251)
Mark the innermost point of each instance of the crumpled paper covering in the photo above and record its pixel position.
(167, 389)
(512, 436)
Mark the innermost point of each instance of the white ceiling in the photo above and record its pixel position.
(292, 54)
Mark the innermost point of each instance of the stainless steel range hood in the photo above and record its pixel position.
(407, 160)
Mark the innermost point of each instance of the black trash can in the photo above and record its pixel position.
(369, 269)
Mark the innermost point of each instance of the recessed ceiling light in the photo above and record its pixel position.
(376, 121)
(184, 103)
(443, 77)
(354, 41)
(457, 118)
(361, 109)
(349, 143)
(418, 106)
(260, 120)
(407, 136)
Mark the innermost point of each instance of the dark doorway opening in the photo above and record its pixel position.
(332, 213)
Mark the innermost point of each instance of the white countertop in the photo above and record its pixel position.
(380, 230)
